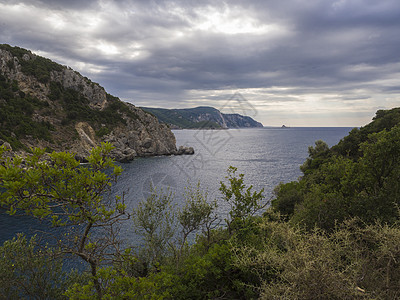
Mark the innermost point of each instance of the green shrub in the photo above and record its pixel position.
(28, 271)
(37, 66)
(16, 111)
(103, 131)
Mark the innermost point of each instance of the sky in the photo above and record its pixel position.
(292, 62)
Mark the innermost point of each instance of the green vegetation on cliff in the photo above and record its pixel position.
(333, 234)
(39, 67)
(204, 117)
(76, 107)
(182, 118)
(359, 177)
(37, 105)
(16, 110)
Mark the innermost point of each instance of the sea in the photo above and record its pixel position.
(266, 156)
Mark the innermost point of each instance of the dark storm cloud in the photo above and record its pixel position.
(173, 53)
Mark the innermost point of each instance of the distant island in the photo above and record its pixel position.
(203, 117)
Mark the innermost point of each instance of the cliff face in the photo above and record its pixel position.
(239, 121)
(202, 117)
(44, 104)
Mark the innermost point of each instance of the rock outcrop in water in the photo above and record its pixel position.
(44, 104)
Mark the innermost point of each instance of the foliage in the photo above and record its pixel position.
(27, 271)
(69, 195)
(77, 108)
(383, 120)
(168, 266)
(103, 131)
(16, 110)
(165, 229)
(336, 187)
(287, 196)
(329, 195)
(380, 176)
(37, 66)
(197, 215)
(291, 265)
(25, 116)
(203, 117)
(353, 262)
(208, 274)
(243, 202)
(154, 219)
(119, 286)
(185, 118)
(317, 155)
(118, 105)
(334, 234)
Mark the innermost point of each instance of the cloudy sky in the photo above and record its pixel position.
(293, 62)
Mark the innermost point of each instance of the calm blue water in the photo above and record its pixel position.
(267, 156)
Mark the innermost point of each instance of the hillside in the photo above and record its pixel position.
(358, 177)
(332, 234)
(201, 117)
(44, 104)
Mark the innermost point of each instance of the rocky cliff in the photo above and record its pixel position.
(44, 104)
(202, 117)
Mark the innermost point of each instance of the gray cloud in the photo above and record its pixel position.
(183, 53)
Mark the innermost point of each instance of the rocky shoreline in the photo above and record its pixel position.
(74, 113)
(123, 156)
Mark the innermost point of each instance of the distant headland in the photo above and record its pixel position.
(202, 117)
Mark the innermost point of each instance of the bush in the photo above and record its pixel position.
(37, 66)
(353, 262)
(16, 111)
(287, 196)
(29, 271)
